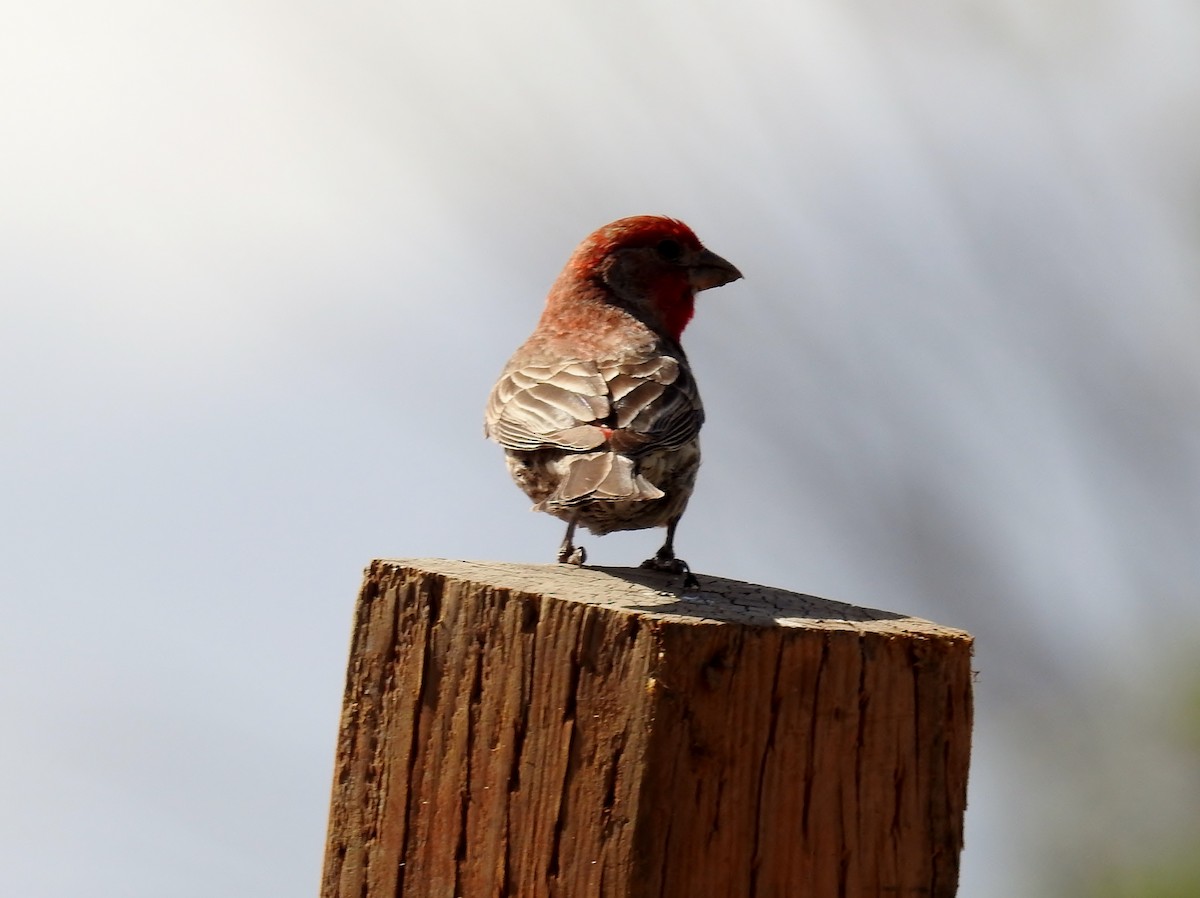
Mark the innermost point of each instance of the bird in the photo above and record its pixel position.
(598, 411)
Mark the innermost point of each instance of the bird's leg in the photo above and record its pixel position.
(569, 553)
(664, 559)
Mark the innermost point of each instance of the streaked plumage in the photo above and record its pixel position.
(597, 411)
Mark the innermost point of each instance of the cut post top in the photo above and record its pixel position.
(654, 595)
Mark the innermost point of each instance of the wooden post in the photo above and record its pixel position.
(516, 731)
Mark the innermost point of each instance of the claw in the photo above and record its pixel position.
(568, 552)
(665, 561)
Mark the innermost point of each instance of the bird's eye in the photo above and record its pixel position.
(669, 249)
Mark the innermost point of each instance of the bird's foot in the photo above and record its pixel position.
(569, 554)
(666, 562)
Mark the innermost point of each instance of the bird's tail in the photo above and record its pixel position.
(599, 476)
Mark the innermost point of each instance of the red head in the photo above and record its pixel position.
(652, 264)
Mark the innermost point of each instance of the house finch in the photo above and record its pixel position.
(597, 411)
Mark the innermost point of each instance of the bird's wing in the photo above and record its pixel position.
(655, 402)
(641, 405)
(548, 406)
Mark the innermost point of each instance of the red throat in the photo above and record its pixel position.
(676, 307)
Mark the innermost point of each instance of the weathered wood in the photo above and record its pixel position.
(514, 731)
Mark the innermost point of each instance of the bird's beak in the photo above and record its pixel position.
(708, 269)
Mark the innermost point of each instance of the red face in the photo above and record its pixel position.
(654, 261)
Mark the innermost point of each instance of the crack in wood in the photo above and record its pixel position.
(813, 730)
(428, 601)
(768, 751)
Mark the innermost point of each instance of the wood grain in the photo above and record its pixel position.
(517, 731)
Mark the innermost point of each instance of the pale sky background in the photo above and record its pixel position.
(260, 263)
